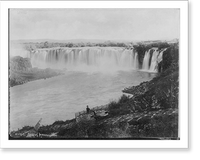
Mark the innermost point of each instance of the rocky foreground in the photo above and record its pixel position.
(150, 113)
(157, 124)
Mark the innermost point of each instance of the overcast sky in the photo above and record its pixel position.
(104, 24)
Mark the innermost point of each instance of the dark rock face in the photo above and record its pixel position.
(163, 90)
(170, 57)
(142, 48)
(160, 92)
(137, 90)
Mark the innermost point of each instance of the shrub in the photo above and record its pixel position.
(123, 99)
(120, 107)
(78, 130)
(58, 122)
(26, 128)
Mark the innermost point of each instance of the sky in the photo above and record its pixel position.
(103, 24)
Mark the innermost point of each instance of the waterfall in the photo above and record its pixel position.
(154, 62)
(136, 63)
(86, 58)
(145, 65)
(96, 59)
(159, 59)
(156, 58)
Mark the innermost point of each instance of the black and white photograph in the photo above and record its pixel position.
(99, 75)
(94, 73)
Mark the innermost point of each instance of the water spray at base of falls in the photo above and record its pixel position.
(86, 59)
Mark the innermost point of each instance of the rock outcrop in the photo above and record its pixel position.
(163, 90)
(21, 71)
(20, 64)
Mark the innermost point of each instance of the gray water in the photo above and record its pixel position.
(59, 98)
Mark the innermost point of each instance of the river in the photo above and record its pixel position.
(59, 98)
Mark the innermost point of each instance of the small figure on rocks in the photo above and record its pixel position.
(87, 109)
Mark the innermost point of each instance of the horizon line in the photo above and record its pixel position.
(167, 39)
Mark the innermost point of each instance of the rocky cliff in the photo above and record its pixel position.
(21, 71)
(141, 48)
(162, 91)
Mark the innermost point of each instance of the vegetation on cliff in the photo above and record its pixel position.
(141, 46)
(21, 71)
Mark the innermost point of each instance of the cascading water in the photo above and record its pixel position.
(86, 59)
(96, 59)
(156, 58)
(154, 62)
(136, 63)
(145, 65)
(159, 59)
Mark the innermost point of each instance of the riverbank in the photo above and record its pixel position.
(21, 71)
(157, 124)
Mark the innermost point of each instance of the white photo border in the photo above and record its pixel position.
(183, 97)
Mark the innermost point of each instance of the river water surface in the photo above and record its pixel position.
(59, 98)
